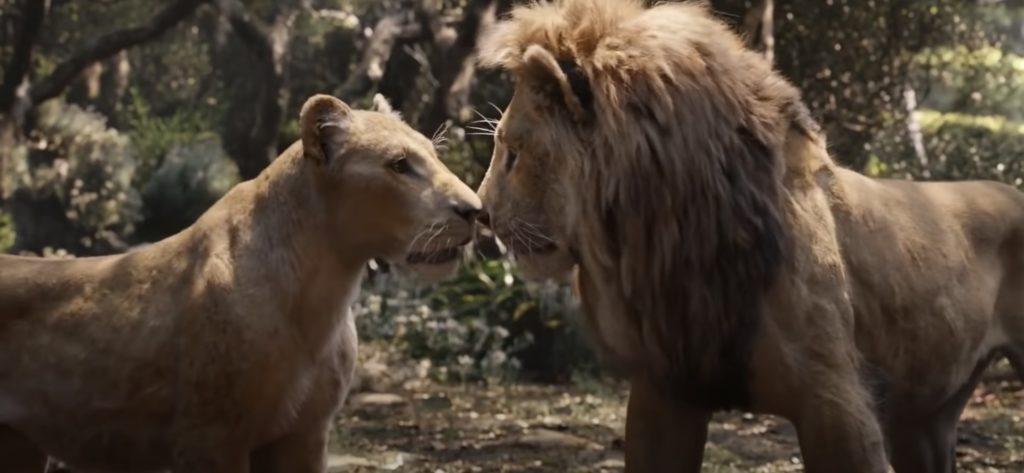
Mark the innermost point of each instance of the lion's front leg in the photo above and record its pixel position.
(300, 452)
(838, 429)
(663, 435)
(838, 433)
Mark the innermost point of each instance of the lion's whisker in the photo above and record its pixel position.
(501, 113)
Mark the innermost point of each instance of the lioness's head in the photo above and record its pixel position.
(392, 194)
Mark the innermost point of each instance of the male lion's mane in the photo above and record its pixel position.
(680, 167)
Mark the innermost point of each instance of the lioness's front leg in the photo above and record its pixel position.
(299, 452)
(663, 435)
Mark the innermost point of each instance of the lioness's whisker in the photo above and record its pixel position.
(421, 234)
(440, 137)
(436, 234)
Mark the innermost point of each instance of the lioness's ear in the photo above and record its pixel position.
(380, 104)
(324, 123)
(563, 80)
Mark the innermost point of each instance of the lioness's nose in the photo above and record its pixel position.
(466, 210)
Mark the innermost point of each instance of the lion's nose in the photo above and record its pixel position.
(466, 211)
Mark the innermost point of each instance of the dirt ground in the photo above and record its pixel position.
(439, 428)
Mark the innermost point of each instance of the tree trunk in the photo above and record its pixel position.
(252, 130)
(387, 33)
(14, 90)
(454, 66)
(914, 130)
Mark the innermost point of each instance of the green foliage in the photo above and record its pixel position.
(962, 147)
(191, 178)
(486, 323)
(72, 185)
(153, 136)
(6, 232)
(984, 81)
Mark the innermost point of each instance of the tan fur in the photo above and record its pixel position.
(724, 261)
(229, 346)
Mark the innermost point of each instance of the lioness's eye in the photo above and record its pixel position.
(510, 160)
(401, 166)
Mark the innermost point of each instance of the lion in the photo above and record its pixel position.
(230, 346)
(724, 261)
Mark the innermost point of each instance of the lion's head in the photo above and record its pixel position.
(387, 185)
(646, 145)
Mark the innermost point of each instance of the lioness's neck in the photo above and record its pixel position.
(280, 222)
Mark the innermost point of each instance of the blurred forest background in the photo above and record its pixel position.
(121, 121)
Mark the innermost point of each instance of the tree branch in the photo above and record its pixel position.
(108, 45)
(370, 70)
(21, 61)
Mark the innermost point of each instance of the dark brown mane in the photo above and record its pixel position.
(681, 182)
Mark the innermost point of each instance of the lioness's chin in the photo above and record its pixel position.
(435, 272)
(557, 265)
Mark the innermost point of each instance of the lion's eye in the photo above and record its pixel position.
(401, 166)
(510, 160)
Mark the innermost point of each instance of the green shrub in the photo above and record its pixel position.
(191, 178)
(154, 136)
(486, 323)
(72, 184)
(961, 147)
(6, 232)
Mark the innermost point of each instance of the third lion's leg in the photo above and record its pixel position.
(925, 442)
(923, 447)
(662, 435)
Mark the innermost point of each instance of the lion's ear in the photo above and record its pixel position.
(324, 123)
(563, 80)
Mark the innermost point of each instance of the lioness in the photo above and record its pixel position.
(723, 259)
(229, 346)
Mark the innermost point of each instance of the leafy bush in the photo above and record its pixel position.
(72, 184)
(6, 232)
(154, 136)
(191, 178)
(485, 324)
(984, 81)
(961, 147)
